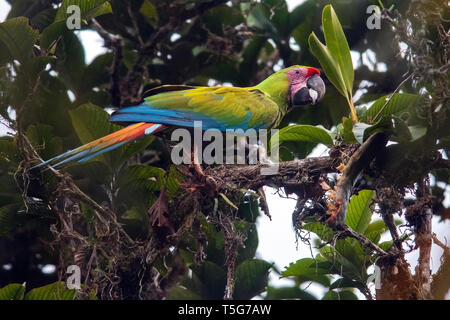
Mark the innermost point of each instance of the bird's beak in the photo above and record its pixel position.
(312, 93)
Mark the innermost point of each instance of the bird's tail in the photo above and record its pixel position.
(107, 143)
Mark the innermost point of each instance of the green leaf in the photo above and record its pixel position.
(224, 197)
(13, 291)
(248, 251)
(377, 226)
(329, 64)
(141, 178)
(18, 37)
(358, 211)
(417, 132)
(344, 283)
(336, 43)
(307, 267)
(359, 130)
(88, 8)
(301, 133)
(347, 259)
(42, 135)
(251, 278)
(131, 148)
(150, 13)
(9, 154)
(174, 179)
(387, 105)
(249, 210)
(279, 293)
(258, 19)
(348, 135)
(210, 280)
(324, 232)
(71, 62)
(53, 291)
(386, 245)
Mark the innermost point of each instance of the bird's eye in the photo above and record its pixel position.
(297, 72)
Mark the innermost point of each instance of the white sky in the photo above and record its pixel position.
(276, 238)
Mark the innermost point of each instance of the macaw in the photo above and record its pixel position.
(259, 107)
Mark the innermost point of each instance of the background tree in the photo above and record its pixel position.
(141, 228)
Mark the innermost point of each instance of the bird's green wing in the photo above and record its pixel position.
(217, 107)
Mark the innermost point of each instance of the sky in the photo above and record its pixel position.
(277, 242)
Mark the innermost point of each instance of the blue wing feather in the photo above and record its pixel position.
(184, 118)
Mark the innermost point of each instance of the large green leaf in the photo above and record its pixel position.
(13, 291)
(53, 291)
(347, 130)
(347, 258)
(9, 154)
(328, 63)
(258, 19)
(307, 267)
(251, 278)
(18, 37)
(148, 10)
(41, 135)
(358, 211)
(336, 42)
(344, 283)
(209, 279)
(89, 8)
(390, 105)
(324, 232)
(279, 293)
(301, 133)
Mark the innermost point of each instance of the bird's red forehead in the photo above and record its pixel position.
(312, 71)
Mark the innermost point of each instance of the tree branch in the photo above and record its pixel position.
(360, 160)
(289, 174)
(440, 284)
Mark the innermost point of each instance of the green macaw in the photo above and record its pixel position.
(259, 107)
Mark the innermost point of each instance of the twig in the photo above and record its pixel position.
(346, 231)
(389, 99)
(115, 43)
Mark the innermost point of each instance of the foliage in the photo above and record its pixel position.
(54, 291)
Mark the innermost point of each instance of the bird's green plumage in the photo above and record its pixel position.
(261, 106)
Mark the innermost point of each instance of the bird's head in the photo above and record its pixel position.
(305, 85)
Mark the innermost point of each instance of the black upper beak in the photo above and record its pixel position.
(312, 93)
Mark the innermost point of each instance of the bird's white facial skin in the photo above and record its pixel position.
(298, 77)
